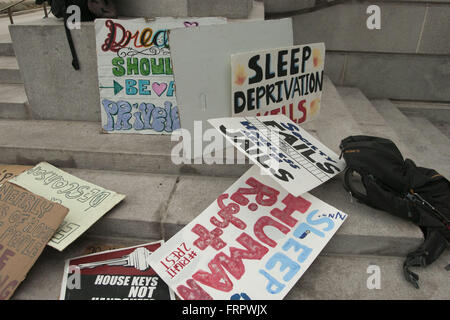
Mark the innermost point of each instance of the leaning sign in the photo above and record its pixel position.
(254, 242)
(136, 84)
(285, 81)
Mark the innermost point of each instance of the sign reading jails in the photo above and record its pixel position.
(137, 90)
(87, 202)
(285, 151)
(278, 81)
(122, 274)
(27, 223)
(254, 242)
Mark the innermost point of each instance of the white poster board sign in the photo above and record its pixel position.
(201, 61)
(86, 202)
(285, 81)
(283, 150)
(135, 74)
(254, 242)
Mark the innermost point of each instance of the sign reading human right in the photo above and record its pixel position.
(285, 81)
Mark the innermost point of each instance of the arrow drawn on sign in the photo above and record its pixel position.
(117, 87)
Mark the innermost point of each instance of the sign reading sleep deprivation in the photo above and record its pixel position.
(254, 242)
(136, 84)
(283, 150)
(285, 81)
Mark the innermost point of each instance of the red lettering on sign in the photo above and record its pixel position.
(292, 204)
(217, 278)
(259, 226)
(207, 238)
(265, 195)
(226, 213)
(193, 292)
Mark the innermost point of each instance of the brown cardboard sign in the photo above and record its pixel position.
(27, 223)
(8, 171)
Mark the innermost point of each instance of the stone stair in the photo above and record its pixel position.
(163, 197)
(13, 99)
(160, 196)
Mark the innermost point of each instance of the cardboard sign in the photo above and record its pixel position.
(285, 81)
(87, 202)
(283, 150)
(27, 223)
(201, 62)
(122, 274)
(9, 171)
(254, 242)
(137, 89)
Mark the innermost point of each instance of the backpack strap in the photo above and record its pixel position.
(75, 61)
(433, 246)
(349, 187)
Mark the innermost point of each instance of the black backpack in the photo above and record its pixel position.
(399, 187)
(89, 9)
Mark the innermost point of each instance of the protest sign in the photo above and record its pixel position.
(122, 274)
(254, 242)
(87, 202)
(201, 62)
(285, 151)
(137, 89)
(8, 171)
(27, 223)
(285, 81)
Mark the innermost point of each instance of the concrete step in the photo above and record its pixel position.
(444, 127)
(77, 144)
(157, 206)
(431, 133)
(433, 111)
(183, 8)
(425, 154)
(6, 49)
(13, 102)
(368, 118)
(9, 70)
(90, 149)
(335, 121)
(329, 277)
(346, 277)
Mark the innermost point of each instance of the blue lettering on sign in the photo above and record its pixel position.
(282, 263)
(147, 117)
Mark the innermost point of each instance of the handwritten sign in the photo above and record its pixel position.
(122, 274)
(285, 151)
(137, 88)
(87, 202)
(254, 242)
(285, 81)
(9, 171)
(27, 223)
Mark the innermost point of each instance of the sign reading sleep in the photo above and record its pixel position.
(285, 81)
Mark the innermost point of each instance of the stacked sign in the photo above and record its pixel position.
(87, 202)
(278, 81)
(137, 90)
